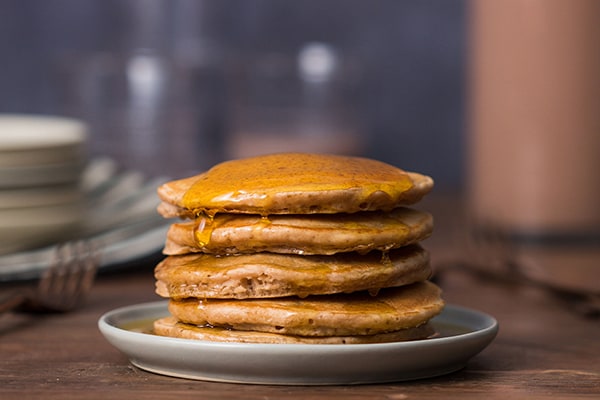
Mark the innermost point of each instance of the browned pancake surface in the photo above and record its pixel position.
(263, 275)
(293, 183)
(352, 314)
(299, 234)
(170, 326)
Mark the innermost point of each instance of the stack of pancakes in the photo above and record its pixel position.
(297, 248)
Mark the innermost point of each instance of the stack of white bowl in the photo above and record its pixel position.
(41, 163)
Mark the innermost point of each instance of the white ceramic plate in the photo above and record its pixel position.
(40, 175)
(27, 140)
(16, 198)
(463, 334)
(120, 220)
(118, 248)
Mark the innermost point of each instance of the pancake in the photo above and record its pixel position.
(297, 248)
(264, 275)
(170, 326)
(293, 183)
(299, 234)
(359, 313)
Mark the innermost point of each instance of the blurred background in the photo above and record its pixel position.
(497, 100)
(171, 87)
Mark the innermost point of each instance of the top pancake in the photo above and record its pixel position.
(293, 183)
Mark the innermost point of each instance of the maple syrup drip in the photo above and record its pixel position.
(204, 229)
(385, 259)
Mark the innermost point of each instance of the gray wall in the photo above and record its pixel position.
(411, 55)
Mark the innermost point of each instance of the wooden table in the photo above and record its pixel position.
(543, 351)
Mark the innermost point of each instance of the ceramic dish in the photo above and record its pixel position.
(119, 248)
(26, 227)
(463, 334)
(27, 140)
(119, 220)
(40, 175)
(39, 196)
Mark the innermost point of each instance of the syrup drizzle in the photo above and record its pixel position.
(267, 177)
(203, 229)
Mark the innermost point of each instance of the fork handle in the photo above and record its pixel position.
(11, 300)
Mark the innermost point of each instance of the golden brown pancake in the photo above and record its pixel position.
(297, 248)
(393, 309)
(299, 234)
(170, 326)
(264, 275)
(293, 183)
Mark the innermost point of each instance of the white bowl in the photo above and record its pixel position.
(38, 140)
(40, 150)
(41, 163)
(24, 198)
(27, 227)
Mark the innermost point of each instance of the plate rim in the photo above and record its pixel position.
(154, 305)
(40, 132)
(120, 338)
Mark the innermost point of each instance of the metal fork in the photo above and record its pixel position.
(62, 286)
